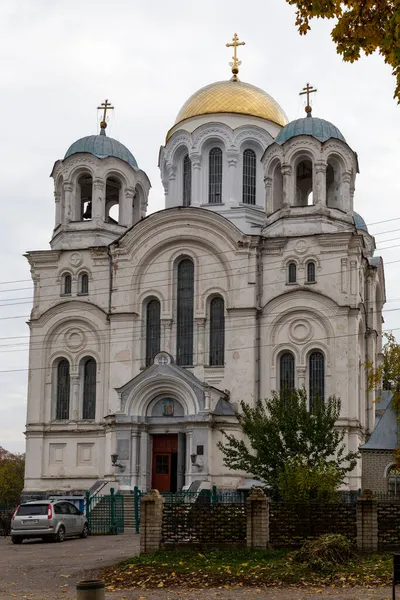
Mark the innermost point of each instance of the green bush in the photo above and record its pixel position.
(326, 552)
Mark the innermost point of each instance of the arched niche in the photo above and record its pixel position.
(165, 407)
(304, 182)
(277, 187)
(333, 180)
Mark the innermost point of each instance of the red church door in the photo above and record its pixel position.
(165, 463)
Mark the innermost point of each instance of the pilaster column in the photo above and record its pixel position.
(143, 467)
(189, 451)
(172, 187)
(58, 216)
(288, 195)
(74, 406)
(98, 200)
(134, 458)
(347, 197)
(166, 341)
(301, 377)
(320, 187)
(268, 195)
(196, 198)
(69, 204)
(201, 323)
(343, 275)
(353, 277)
(232, 163)
(126, 207)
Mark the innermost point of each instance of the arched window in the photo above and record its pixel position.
(316, 364)
(85, 183)
(63, 390)
(249, 176)
(67, 285)
(311, 272)
(84, 284)
(153, 330)
(215, 176)
(286, 372)
(292, 272)
(185, 303)
(187, 181)
(217, 332)
(89, 389)
(304, 183)
(393, 481)
(113, 188)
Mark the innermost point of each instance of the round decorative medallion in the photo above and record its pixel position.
(300, 331)
(75, 259)
(75, 339)
(301, 247)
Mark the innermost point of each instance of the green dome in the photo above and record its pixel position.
(319, 128)
(102, 146)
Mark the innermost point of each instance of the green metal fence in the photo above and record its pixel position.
(105, 514)
(212, 496)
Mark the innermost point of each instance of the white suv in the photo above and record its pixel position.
(48, 519)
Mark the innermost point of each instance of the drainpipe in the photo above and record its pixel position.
(110, 282)
(259, 292)
(366, 335)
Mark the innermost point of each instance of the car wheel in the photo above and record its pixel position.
(16, 539)
(60, 535)
(85, 531)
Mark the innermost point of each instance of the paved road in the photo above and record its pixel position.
(38, 570)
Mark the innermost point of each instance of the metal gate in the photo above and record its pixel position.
(105, 514)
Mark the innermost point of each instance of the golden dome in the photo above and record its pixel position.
(232, 97)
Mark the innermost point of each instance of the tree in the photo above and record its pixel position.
(282, 429)
(386, 376)
(299, 482)
(362, 25)
(12, 468)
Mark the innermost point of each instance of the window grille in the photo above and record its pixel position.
(393, 478)
(249, 176)
(215, 176)
(153, 330)
(84, 283)
(286, 368)
(310, 272)
(292, 273)
(63, 390)
(217, 332)
(185, 301)
(89, 389)
(187, 181)
(67, 285)
(316, 378)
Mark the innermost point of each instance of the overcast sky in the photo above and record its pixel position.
(58, 61)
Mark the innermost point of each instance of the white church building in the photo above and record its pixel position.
(148, 331)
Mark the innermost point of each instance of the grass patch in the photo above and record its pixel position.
(242, 567)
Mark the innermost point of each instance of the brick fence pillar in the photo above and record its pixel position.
(151, 516)
(257, 514)
(367, 524)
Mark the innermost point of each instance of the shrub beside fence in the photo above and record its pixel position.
(6, 513)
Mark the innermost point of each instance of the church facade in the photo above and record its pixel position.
(148, 331)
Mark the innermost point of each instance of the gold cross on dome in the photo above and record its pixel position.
(105, 106)
(308, 90)
(236, 63)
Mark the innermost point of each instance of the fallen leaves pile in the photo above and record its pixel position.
(240, 567)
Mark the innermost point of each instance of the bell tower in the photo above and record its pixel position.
(99, 191)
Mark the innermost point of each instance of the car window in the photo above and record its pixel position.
(72, 509)
(32, 509)
(61, 508)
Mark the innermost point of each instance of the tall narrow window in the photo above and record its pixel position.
(187, 181)
(286, 374)
(249, 176)
(215, 176)
(311, 272)
(85, 183)
(217, 332)
(153, 330)
(63, 390)
(185, 301)
(316, 378)
(84, 284)
(292, 272)
(89, 389)
(67, 285)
